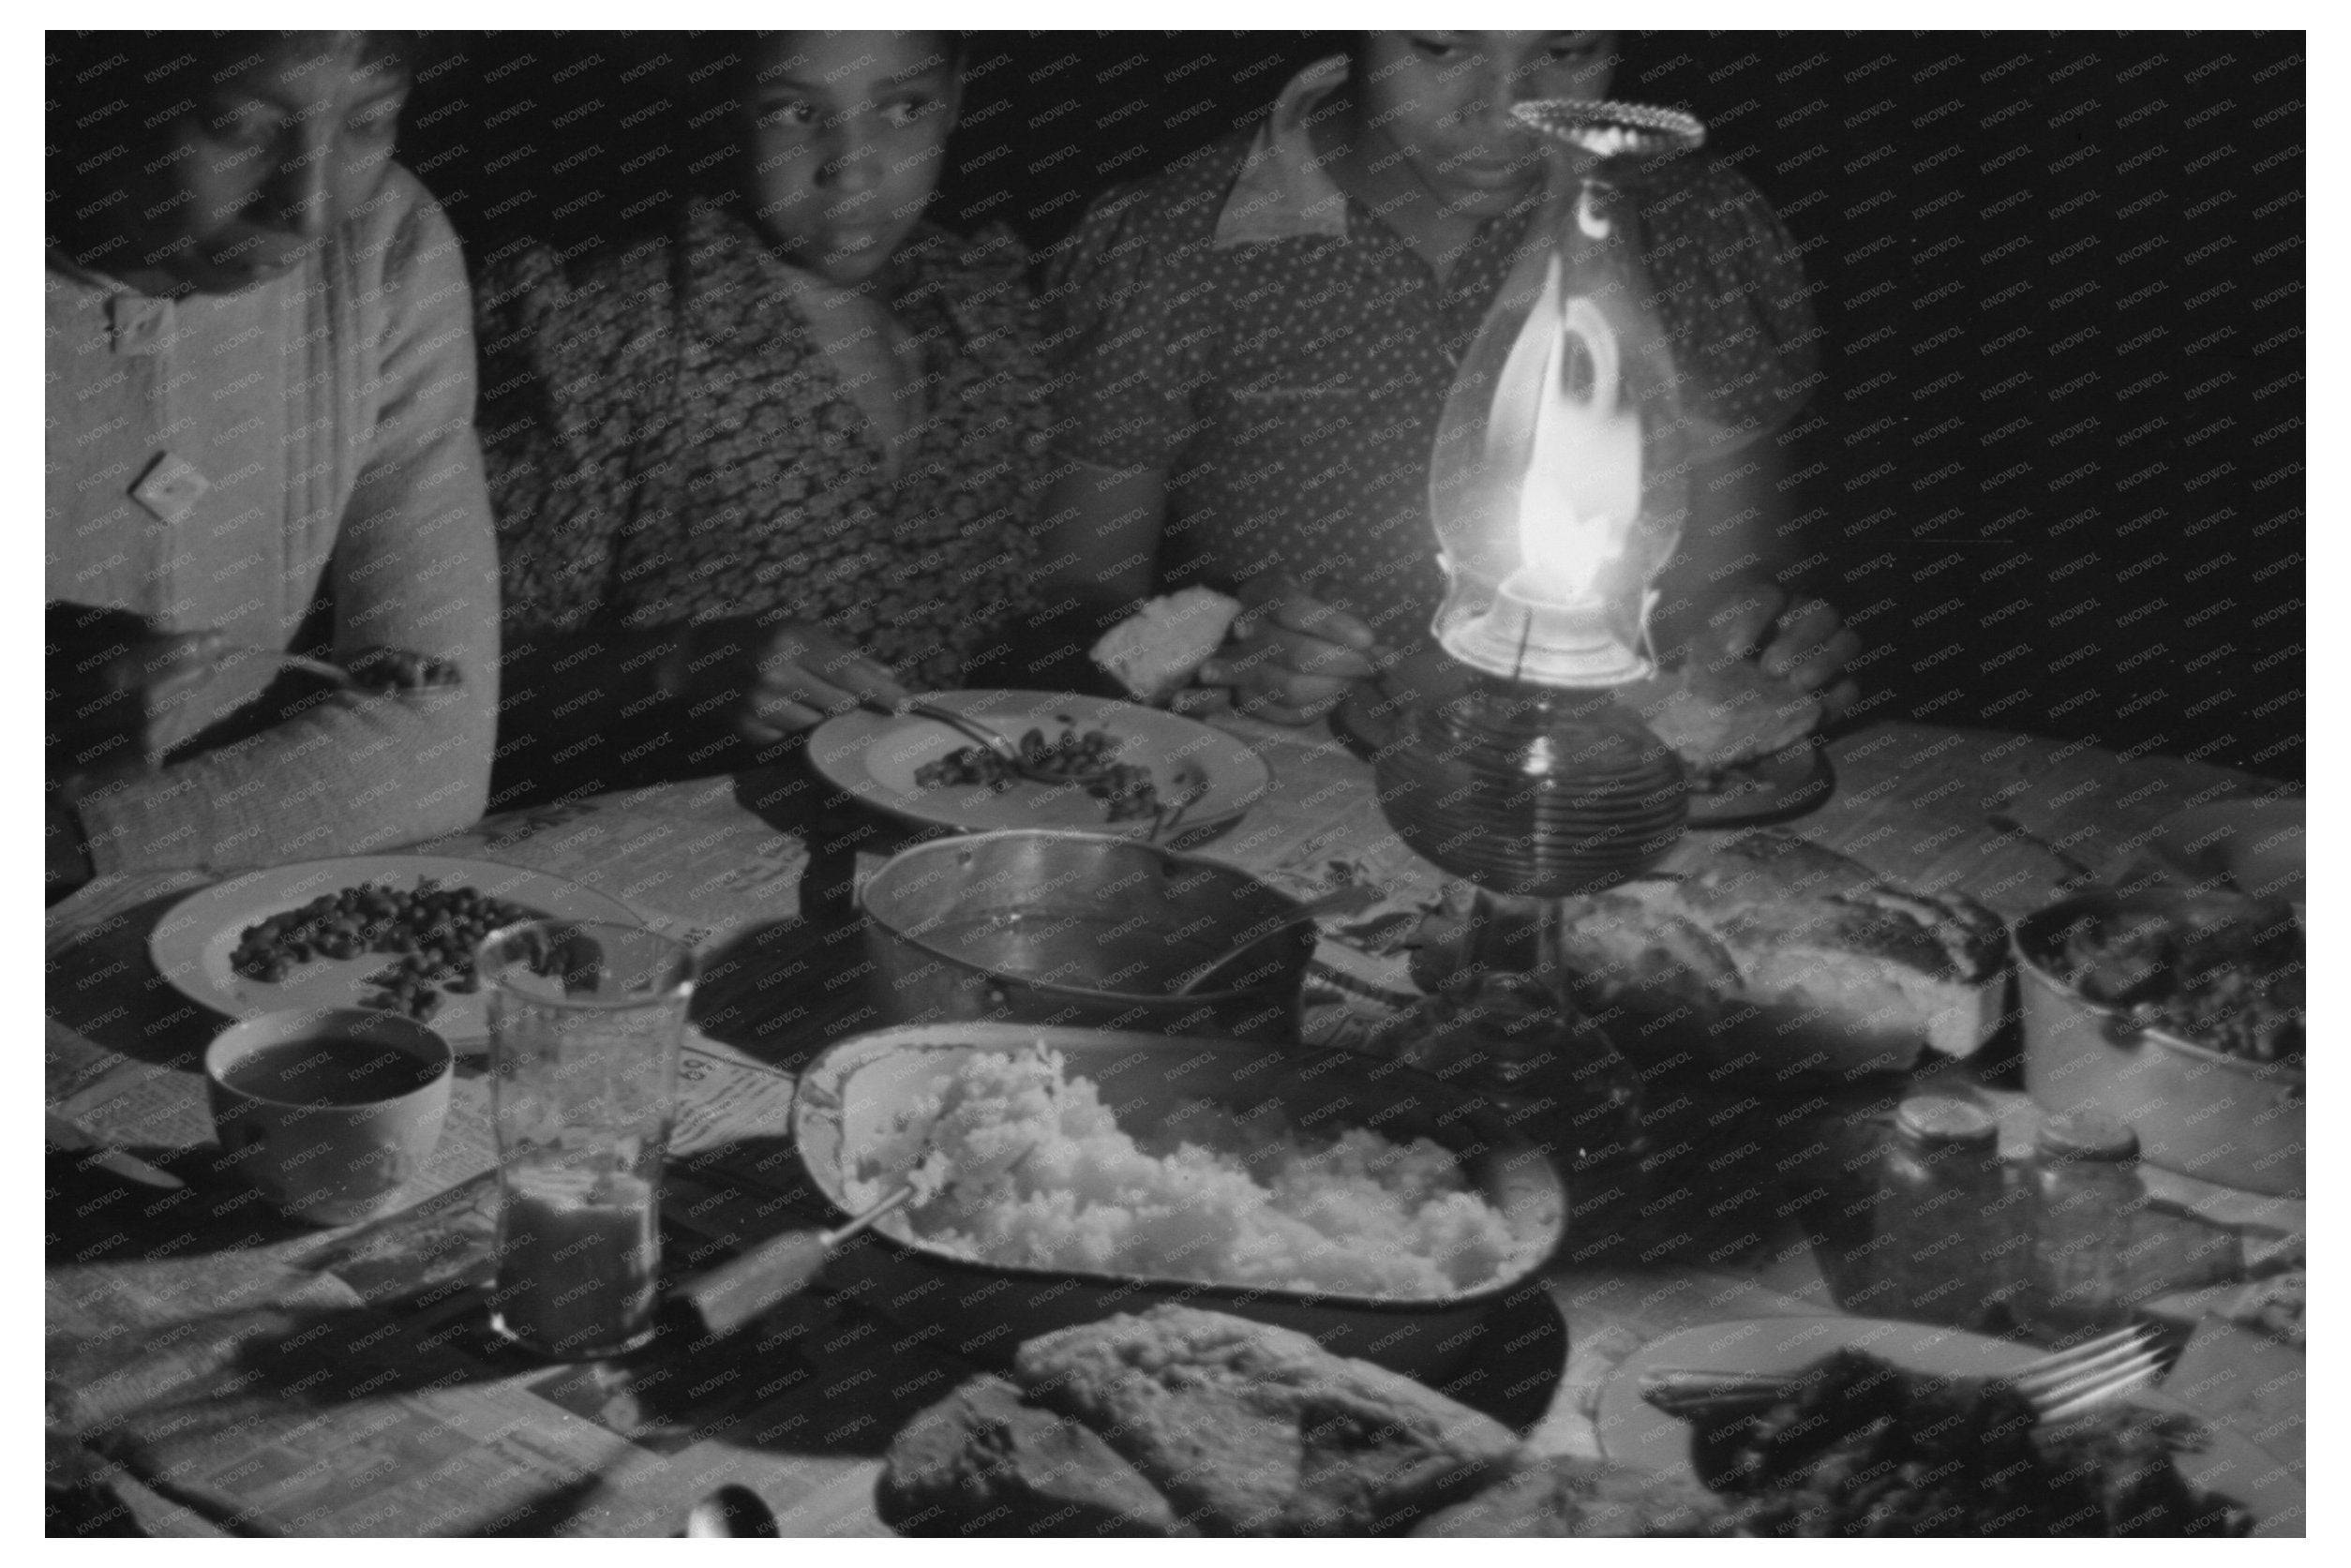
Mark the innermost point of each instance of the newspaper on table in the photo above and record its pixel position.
(252, 1376)
(200, 1366)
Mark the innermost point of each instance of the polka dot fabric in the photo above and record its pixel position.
(1290, 386)
(666, 442)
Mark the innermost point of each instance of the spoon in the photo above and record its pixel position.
(730, 1511)
(1343, 901)
(719, 1301)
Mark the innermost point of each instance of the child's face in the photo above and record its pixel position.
(1439, 103)
(267, 161)
(848, 131)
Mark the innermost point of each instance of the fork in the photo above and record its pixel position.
(2058, 1386)
(1168, 820)
(1006, 750)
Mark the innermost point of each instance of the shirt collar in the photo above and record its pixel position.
(1282, 192)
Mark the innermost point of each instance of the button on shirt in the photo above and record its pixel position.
(1282, 356)
(293, 466)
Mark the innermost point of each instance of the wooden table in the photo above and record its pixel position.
(240, 1374)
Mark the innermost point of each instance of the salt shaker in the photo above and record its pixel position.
(1944, 1236)
(2087, 1200)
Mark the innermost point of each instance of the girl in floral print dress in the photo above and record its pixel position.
(775, 462)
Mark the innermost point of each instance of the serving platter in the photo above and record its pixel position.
(191, 943)
(1634, 1432)
(1204, 777)
(854, 1094)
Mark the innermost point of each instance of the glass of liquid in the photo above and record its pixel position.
(586, 1020)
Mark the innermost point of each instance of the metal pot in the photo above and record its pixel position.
(1077, 928)
(2199, 1111)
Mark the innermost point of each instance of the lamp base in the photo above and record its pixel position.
(1501, 1018)
(1533, 791)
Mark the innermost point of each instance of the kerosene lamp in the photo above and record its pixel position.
(1557, 495)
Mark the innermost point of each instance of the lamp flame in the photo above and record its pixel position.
(1581, 488)
(1563, 502)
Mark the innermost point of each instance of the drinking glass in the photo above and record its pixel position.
(586, 1019)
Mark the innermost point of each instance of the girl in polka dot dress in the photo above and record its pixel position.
(1263, 339)
(776, 462)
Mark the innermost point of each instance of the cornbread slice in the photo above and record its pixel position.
(1249, 1429)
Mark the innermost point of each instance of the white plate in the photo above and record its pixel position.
(191, 943)
(1636, 1433)
(874, 757)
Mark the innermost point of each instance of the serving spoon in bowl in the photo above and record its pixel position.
(718, 1301)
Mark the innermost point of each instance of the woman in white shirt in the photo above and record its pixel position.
(260, 443)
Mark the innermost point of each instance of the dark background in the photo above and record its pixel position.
(2054, 474)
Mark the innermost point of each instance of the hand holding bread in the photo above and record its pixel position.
(1155, 651)
(1287, 656)
(1293, 658)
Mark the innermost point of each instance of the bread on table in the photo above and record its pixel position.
(1585, 1498)
(982, 1453)
(1778, 945)
(1226, 1426)
(1155, 651)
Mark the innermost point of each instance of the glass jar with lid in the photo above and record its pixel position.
(2088, 1200)
(1946, 1238)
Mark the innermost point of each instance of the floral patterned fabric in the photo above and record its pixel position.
(667, 444)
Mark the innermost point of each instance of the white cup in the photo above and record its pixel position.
(327, 1113)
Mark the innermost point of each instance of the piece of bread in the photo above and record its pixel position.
(1779, 946)
(1233, 1428)
(981, 1454)
(1249, 1429)
(1154, 653)
(1587, 1498)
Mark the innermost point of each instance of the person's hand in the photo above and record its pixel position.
(1804, 644)
(776, 677)
(1292, 657)
(114, 699)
